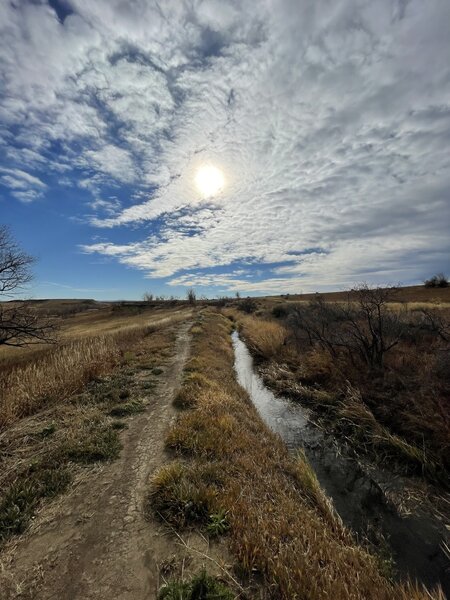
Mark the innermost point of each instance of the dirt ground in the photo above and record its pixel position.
(95, 542)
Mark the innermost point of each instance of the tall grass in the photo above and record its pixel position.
(264, 337)
(64, 370)
(59, 373)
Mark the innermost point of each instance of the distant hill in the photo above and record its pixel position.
(413, 293)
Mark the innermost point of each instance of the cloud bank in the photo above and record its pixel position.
(329, 120)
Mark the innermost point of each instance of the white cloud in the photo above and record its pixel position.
(23, 186)
(330, 122)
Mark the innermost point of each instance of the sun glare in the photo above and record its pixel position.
(209, 180)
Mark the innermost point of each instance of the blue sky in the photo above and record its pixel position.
(330, 121)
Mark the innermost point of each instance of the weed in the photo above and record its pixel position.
(157, 371)
(200, 587)
(102, 444)
(218, 523)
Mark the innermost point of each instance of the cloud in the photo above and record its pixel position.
(329, 121)
(23, 186)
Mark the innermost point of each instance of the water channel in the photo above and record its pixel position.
(415, 541)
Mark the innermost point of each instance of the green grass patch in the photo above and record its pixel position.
(217, 524)
(102, 444)
(23, 496)
(200, 587)
(125, 410)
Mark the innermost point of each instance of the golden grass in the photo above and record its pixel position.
(61, 372)
(280, 523)
(264, 337)
(65, 369)
(40, 452)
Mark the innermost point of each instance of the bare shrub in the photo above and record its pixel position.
(365, 328)
(437, 281)
(248, 305)
(191, 296)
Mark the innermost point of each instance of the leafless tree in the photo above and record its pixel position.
(362, 326)
(14, 264)
(19, 324)
(147, 297)
(191, 296)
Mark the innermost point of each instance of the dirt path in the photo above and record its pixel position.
(96, 543)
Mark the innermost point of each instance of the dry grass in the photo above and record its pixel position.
(65, 369)
(280, 523)
(60, 373)
(40, 453)
(264, 337)
(398, 416)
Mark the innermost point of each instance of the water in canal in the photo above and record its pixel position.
(415, 541)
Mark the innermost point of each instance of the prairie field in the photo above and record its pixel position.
(242, 515)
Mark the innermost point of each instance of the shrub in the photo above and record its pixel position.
(280, 311)
(437, 281)
(248, 305)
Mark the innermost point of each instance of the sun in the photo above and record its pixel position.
(209, 180)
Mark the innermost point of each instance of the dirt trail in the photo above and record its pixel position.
(96, 543)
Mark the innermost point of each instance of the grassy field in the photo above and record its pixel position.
(89, 346)
(63, 406)
(232, 476)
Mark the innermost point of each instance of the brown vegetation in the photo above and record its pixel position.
(378, 376)
(54, 374)
(40, 453)
(266, 338)
(280, 525)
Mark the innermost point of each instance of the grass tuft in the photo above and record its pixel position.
(200, 587)
(102, 444)
(127, 409)
(184, 494)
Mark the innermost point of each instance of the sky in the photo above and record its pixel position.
(329, 121)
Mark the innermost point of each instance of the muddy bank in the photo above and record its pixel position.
(414, 541)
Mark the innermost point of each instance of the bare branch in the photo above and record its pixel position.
(20, 325)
